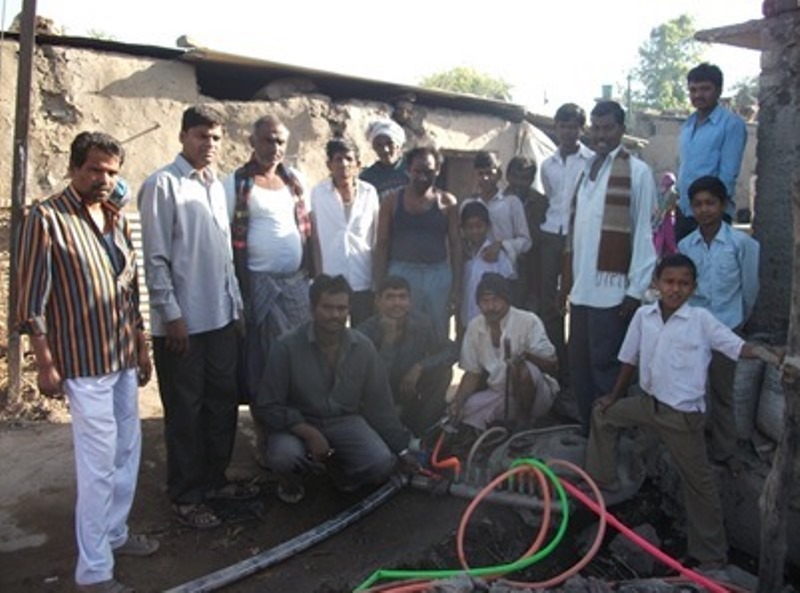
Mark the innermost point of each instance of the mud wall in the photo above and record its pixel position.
(139, 100)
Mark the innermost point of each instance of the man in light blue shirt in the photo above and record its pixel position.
(711, 142)
(727, 285)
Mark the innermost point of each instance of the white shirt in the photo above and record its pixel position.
(523, 329)
(274, 244)
(607, 289)
(474, 269)
(509, 224)
(673, 357)
(346, 243)
(560, 177)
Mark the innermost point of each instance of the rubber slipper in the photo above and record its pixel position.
(196, 516)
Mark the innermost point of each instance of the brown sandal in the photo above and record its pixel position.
(196, 516)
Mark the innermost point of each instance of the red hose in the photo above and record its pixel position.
(417, 586)
(422, 586)
(645, 545)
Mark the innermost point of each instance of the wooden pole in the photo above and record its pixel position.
(27, 41)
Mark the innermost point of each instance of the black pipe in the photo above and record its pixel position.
(267, 558)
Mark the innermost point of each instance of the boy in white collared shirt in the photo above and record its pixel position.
(671, 343)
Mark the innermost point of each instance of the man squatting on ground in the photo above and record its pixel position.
(79, 303)
(504, 339)
(419, 363)
(325, 399)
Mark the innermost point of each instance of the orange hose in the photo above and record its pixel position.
(421, 587)
(465, 518)
(598, 539)
(449, 463)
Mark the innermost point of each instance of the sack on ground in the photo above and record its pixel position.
(771, 405)
(746, 389)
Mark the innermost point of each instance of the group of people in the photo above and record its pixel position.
(334, 322)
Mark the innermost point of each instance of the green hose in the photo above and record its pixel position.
(522, 563)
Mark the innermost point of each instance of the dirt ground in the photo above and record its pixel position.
(37, 544)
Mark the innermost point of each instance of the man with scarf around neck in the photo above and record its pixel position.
(609, 259)
(270, 229)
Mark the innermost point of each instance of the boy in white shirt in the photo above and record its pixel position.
(476, 228)
(671, 343)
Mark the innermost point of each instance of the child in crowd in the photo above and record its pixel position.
(520, 173)
(509, 227)
(664, 219)
(671, 343)
(476, 229)
(727, 286)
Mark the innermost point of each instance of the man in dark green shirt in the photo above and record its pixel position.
(418, 362)
(325, 399)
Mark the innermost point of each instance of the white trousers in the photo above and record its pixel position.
(107, 437)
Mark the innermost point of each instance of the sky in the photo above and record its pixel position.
(550, 52)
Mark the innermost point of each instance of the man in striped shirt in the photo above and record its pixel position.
(79, 304)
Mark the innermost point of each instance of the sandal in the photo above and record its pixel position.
(196, 516)
(234, 491)
(291, 492)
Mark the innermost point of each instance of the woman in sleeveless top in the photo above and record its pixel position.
(418, 239)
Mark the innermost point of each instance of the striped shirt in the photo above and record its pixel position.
(71, 290)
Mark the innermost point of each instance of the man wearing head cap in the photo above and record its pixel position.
(388, 172)
(503, 340)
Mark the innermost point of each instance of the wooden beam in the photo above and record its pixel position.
(22, 124)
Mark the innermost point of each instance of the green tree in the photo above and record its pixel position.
(100, 34)
(745, 93)
(468, 80)
(664, 60)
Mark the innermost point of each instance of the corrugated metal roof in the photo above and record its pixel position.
(225, 66)
(334, 84)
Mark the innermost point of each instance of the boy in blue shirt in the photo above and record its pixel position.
(727, 285)
(671, 343)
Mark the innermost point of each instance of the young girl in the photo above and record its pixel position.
(664, 219)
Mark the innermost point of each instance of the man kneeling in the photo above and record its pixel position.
(325, 399)
(502, 339)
